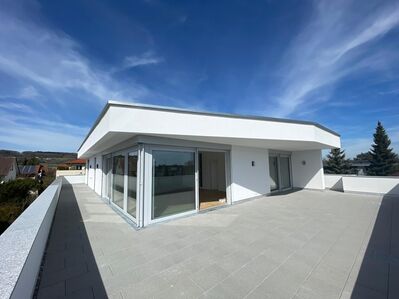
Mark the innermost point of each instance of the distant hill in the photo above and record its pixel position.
(51, 158)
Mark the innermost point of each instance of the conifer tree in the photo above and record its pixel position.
(336, 162)
(383, 157)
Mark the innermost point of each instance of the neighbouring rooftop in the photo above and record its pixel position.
(304, 244)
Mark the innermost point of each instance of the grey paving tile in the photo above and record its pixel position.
(147, 288)
(185, 288)
(209, 276)
(49, 277)
(52, 291)
(304, 244)
(86, 293)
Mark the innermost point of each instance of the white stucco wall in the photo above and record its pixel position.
(75, 179)
(90, 173)
(98, 175)
(309, 174)
(363, 184)
(246, 180)
(381, 185)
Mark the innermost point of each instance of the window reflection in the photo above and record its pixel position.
(132, 184)
(118, 171)
(173, 183)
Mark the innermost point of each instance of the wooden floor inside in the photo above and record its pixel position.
(211, 198)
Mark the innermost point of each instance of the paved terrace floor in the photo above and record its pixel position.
(305, 244)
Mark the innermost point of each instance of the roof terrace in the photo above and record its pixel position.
(304, 244)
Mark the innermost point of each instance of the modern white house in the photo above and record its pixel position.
(156, 163)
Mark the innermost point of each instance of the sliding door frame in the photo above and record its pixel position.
(125, 154)
(227, 171)
(149, 184)
(278, 155)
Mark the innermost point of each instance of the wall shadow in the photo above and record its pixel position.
(379, 272)
(338, 186)
(69, 268)
(285, 192)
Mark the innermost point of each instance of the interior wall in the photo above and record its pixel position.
(213, 171)
(249, 180)
(307, 169)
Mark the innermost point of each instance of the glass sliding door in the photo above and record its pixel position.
(285, 172)
(132, 184)
(280, 172)
(107, 176)
(173, 182)
(118, 181)
(273, 172)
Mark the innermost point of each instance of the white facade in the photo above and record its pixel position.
(164, 162)
(246, 180)
(307, 169)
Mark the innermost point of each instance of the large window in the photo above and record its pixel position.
(132, 184)
(173, 185)
(118, 171)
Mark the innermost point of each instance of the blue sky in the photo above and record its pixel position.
(334, 62)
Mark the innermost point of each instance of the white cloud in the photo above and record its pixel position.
(23, 131)
(330, 47)
(145, 59)
(28, 92)
(33, 53)
(53, 73)
(14, 107)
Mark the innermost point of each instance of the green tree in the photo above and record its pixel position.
(383, 158)
(32, 161)
(336, 162)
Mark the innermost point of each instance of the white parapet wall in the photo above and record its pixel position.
(380, 185)
(70, 172)
(75, 179)
(363, 184)
(22, 245)
(333, 182)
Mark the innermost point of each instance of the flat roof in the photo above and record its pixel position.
(219, 114)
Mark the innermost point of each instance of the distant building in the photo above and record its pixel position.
(77, 164)
(31, 170)
(8, 169)
(360, 166)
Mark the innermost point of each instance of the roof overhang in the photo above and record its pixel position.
(119, 122)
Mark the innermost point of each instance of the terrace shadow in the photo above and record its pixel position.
(379, 272)
(69, 268)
